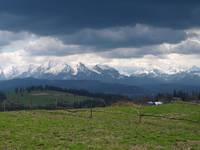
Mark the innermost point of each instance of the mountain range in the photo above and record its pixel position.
(61, 71)
(100, 78)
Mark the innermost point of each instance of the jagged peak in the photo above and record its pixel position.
(54, 68)
(103, 67)
(82, 67)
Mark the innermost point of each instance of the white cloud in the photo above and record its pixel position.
(49, 46)
(23, 48)
(7, 37)
(170, 63)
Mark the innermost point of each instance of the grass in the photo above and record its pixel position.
(111, 128)
(44, 98)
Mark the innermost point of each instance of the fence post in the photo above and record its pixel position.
(91, 111)
(74, 101)
(56, 103)
(30, 104)
(139, 114)
(4, 106)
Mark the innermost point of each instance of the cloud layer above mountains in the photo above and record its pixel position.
(111, 32)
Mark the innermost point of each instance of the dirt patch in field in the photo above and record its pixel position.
(124, 103)
(139, 147)
(186, 145)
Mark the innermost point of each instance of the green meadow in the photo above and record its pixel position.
(110, 128)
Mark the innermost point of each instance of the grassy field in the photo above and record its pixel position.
(44, 98)
(111, 128)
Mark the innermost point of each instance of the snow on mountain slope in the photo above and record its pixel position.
(12, 72)
(56, 68)
(105, 70)
(194, 70)
(63, 71)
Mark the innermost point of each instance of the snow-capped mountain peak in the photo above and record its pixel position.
(12, 72)
(102, 67)
(54, 70)
(82, 67)
(107, 71)
(194, 69)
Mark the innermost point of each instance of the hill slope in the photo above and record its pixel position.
(47, 99)
(89, 85)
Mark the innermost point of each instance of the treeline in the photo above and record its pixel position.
(187, 96)
(190, 96)
(175, 95)
(3, 97)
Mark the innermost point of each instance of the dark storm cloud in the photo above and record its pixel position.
(187, 47)
(127, 36)
(100, 25)
(64, 16)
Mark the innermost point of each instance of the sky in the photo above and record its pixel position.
(124, 34)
